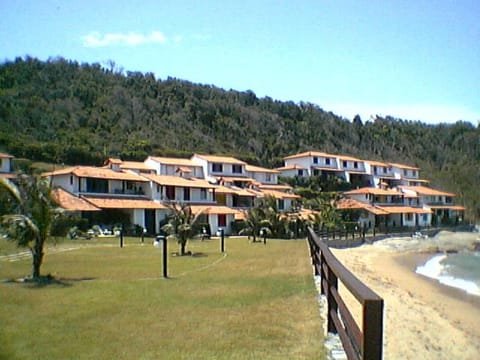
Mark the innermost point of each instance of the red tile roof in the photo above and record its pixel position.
(71, 202)
(98, 173)
(220, 159)
(373, 191)
(123, 203)
(179, 181)
(423, 190)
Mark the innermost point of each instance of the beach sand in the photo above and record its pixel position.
(422, 318)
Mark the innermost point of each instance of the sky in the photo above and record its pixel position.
(410, 59)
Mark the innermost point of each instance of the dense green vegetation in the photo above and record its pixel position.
(64, 112)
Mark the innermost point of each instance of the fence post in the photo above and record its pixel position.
(372, 329)
(332, 304)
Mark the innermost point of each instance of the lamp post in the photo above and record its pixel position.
(222, 240)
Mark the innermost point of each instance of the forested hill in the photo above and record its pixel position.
(64, 112)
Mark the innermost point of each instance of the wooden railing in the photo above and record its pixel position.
(364, 341)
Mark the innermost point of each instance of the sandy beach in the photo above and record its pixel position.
(423, 319)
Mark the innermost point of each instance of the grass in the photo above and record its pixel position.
(254, 302)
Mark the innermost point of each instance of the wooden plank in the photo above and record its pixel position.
(353, 330)
(347, 345)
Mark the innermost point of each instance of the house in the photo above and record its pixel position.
(6, 166)
(315, 163)
(384, 208)
(169, 188)
(354, 171)
(218, 169)
(440, 203)
(381, 174)
(293, 170)
(262, 175)
(122, 195)
(175, 167)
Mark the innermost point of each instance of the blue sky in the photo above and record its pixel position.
(416, 60)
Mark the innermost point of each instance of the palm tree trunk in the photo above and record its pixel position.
(182, 247)
(37, 258)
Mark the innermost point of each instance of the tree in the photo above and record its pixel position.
(31, 212)
(255, 221)
(180, 224)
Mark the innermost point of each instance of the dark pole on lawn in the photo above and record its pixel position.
(121, 236)
(164, 241)
(222, 240)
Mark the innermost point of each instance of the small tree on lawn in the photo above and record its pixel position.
(255, 220)
(180, 224)
(29, 215)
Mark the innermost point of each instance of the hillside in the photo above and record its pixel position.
(64, 112)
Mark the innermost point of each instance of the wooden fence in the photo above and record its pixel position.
(364, 341)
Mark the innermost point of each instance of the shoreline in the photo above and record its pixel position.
(422, 317)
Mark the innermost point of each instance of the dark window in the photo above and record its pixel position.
(186, 194)
(374, 169)
(300, 172)
(327, 161)
(203, 194)
(316, 172)
(217, 167)
(237, 169)
(71, 179)
(170, 192)
(384, 170)
(281, 204)
(344, 164)
(222, 220)
(315, 160)
(97, 185)
(355, 165)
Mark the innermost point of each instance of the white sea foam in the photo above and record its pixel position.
(434, 269)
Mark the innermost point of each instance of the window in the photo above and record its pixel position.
(315, 160)
(217, 167)
(355, 165)
(268, 177)
(237, 169)
(405, 172)
(374, 169)
(300, 172)
(97, 185)
(158, 188)
(186, 194)
(409, 217)
(281, 204)
(327, 161)
(203, 194)
(384, 170)
(316, 172)
(170, 192)
(344, 164)
(71, 179)
(414, 172)
(222, 220)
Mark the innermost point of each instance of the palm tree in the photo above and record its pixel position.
(255, 221)
(180, 225)
(30, 215)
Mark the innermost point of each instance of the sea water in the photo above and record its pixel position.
(460, 270)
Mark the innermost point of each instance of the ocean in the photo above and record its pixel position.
(460, 270)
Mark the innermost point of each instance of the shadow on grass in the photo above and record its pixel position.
(46, 280)
(189, 254)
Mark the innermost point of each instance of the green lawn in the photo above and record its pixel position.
(254, 302)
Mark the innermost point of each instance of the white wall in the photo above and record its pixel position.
(6, 167)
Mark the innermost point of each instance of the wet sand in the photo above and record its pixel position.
(423, 319)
